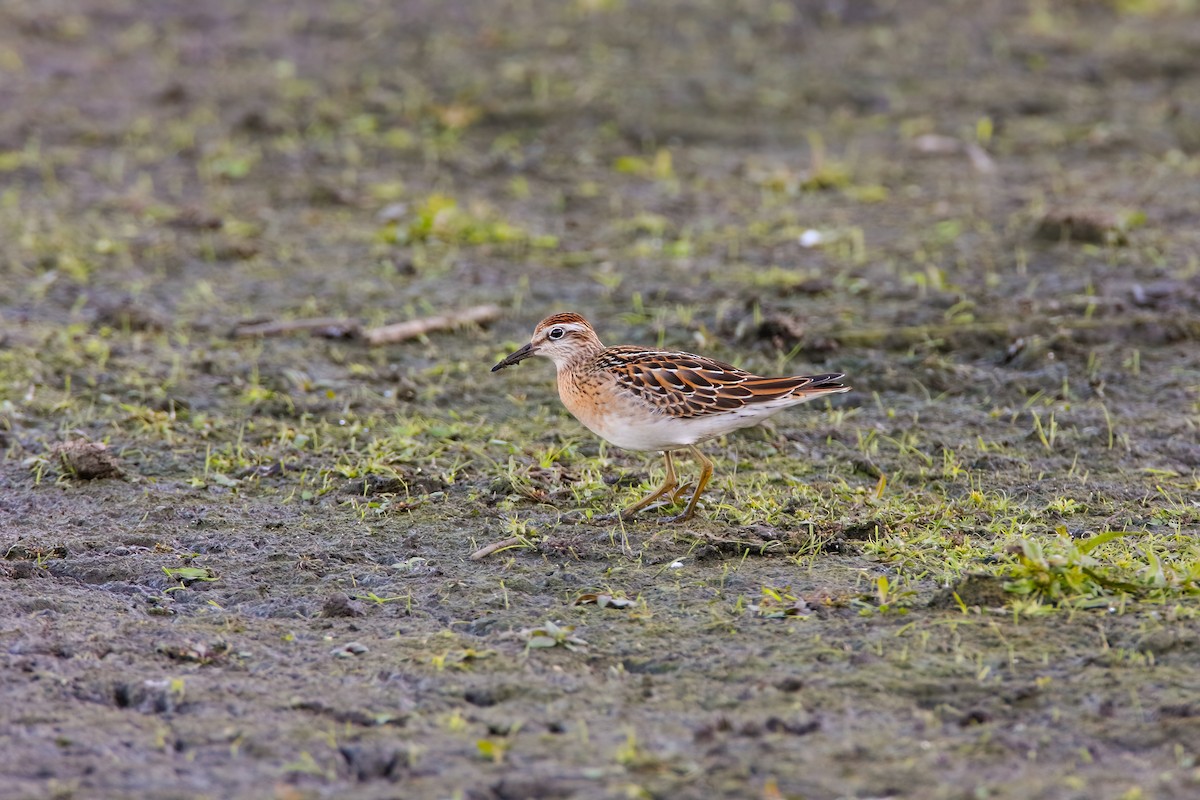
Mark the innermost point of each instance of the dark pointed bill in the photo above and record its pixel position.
(516, 358)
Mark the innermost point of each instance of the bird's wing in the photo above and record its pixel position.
(688, 385)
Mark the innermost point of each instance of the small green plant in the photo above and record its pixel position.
(1100, 571)
(1047, 433)
(440, 218)
(459, 659)
(189, 575)
(658, 168)
(886, 598)
(492, 750)
(630, 753)
(778, 603)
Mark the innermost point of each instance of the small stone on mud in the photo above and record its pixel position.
(1164, 641)
(481, 626)
(790, 684)
(148, 697)
(340, 605)
(87, 460)
(933, 144)
(194, 219)
(1161, 294)
(349, 650)
(393, 212)
(811, 238)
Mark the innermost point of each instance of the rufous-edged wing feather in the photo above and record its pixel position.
(686, 385)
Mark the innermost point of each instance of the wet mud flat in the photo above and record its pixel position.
(240, 566)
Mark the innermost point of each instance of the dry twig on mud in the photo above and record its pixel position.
(329, 327)
(402, 331)
(487, 550)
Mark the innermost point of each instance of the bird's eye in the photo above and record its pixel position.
(556, 333)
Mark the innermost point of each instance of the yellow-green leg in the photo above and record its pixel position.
(706, 471)
(668, 485)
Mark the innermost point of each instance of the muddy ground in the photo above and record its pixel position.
(976, 576)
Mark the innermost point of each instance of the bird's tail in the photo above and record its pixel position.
(807, 387)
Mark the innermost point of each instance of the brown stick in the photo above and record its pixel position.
(487, 550)
(288, 326)
(402, 331)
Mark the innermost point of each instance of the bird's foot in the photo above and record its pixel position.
(674, 518)
(679, 494)
(629, 516)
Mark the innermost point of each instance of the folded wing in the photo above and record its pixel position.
(687, 385)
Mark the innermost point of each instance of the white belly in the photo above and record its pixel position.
(661, 432)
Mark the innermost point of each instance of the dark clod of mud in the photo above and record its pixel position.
(87, 460)
(1089, 226)
(973, 591)
(369, 762)
(340, 605)
(125, 313)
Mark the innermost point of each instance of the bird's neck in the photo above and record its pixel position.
(580, 357)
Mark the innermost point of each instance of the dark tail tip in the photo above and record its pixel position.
(831, 382)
